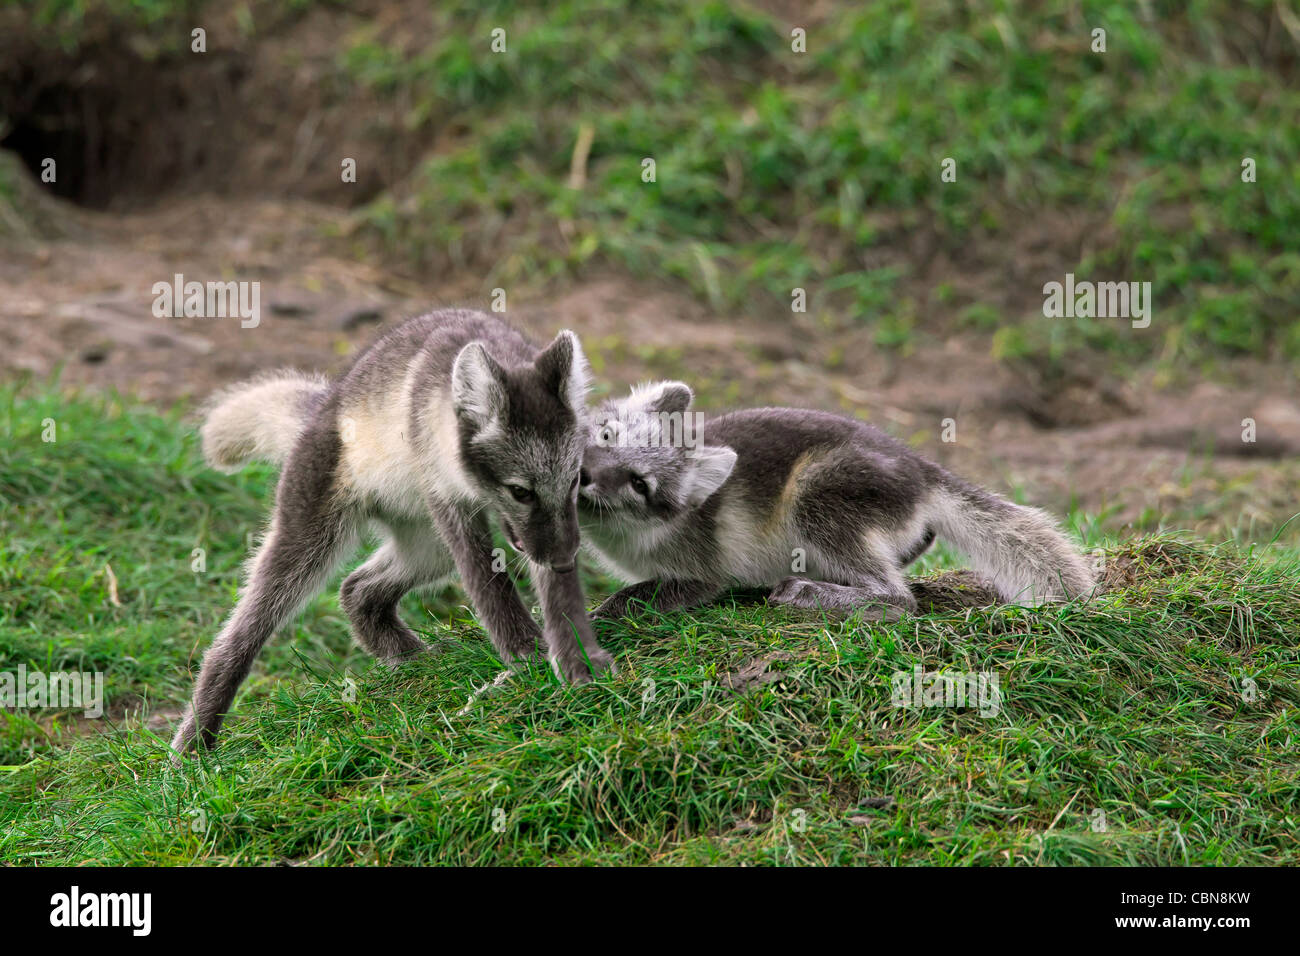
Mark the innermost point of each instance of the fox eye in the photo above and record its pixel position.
(639, 486)
(609, 434)
(521, 494)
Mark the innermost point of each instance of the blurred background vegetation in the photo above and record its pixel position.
(777, 169)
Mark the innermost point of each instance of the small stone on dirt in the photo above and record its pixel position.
(356, 318)
(290, 309)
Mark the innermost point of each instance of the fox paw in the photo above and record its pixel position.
(575, 670)
(797, 592)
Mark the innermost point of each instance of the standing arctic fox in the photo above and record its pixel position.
(448, 417)
(780, 489)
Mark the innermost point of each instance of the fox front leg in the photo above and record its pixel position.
(666, 595)
(570, 641)
(513, 632)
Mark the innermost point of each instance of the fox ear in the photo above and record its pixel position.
(712, 467)
(478, 389)
(671, 398)
(563, 367)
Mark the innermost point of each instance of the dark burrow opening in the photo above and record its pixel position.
(109, 128)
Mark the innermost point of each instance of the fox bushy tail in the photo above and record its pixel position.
(258, 419)
(1020, 550)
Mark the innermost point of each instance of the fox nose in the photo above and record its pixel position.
(559, 568)
(584, 477)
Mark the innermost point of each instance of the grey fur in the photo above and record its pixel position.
(852, 503)
(416, 439)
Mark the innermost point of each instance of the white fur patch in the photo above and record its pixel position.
(578, 382)
(259, 419)
(749, 553)
(443, 474)
(710, 467)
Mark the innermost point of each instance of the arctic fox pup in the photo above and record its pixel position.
(824, 509)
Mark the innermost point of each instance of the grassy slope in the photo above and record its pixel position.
(1131, 705)
(777, 170)
(773, 171)
(821, 170)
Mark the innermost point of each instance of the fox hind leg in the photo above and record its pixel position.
(881, 600)
(299, 555)
(413, 556)
(866, 580)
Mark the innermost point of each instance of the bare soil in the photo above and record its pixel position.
(79, 299)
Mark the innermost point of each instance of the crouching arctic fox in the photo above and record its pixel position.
(754, 495)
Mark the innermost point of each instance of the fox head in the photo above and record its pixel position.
(522, 433)
(646, 463)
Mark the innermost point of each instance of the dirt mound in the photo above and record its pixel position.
(951, 591)
(1164, 558)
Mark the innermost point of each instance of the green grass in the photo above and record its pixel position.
(8, 175)
(777, 170)
(122, 487)
(71, 24)
(1132, 705)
